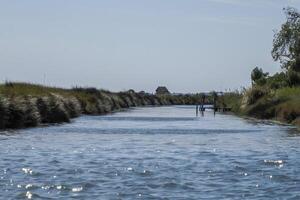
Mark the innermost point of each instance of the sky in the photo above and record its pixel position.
(186, 45)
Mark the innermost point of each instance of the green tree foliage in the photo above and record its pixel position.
(286, 46)
(258, 76)
(278, 80)
(286, 43)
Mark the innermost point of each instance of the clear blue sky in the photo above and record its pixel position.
(186, 45)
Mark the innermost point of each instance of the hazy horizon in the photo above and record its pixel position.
(188, 46)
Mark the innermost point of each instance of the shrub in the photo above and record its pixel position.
(277, 81)
(263, 108)
(3, 112)
(15, 115)
(31, 115)
(288, 111)
(52, 110)
(72, 106)
(22, 112)
(288, 93)
(253, 94)
(89, 90)
(293, 78)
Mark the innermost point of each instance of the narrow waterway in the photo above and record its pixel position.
(152, 153)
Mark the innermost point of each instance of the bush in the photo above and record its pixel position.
(72, 106)
(89, 90)
(293, 78)
(231, 100)
(22, 112)
(253, 94)
(52, 110)
(3, 112)
(32, 116)
(263, 108)
(277, 81)
(288, 93)
(288, 111)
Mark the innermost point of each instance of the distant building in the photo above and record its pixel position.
(162, 90)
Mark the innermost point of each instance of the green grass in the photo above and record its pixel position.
(231, 100)
(288, 93)
(18, 89)
(25, 89)
(289, 107)
(262, 102)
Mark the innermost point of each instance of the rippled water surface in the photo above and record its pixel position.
(152, 153)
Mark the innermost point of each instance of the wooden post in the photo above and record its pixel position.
(202, 104)
(215, 96)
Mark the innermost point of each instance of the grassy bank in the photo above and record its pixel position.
(262, 102)
(28, 105)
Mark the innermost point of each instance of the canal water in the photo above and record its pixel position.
(152, 153)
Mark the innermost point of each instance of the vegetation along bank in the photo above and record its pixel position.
(28, 105)
(276, 96)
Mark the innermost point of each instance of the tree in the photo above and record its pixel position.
(258, 76)
(286, 42)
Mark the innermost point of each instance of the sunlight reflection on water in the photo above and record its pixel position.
(152, 153)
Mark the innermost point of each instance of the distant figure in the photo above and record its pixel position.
(202, 109)
(197, 110)
(215, 97)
